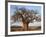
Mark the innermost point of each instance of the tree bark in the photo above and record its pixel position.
(25, 26)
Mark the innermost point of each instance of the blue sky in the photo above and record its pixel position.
(13, 8)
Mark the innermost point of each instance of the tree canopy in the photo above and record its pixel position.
(26, 15)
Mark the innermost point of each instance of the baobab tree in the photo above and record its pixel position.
(26, 16)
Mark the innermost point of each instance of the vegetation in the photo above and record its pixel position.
(25, 15)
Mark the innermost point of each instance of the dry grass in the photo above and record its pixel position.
(13, 28)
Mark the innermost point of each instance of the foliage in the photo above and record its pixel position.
(26, 15)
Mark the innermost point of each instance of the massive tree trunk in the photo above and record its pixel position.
(25, 26)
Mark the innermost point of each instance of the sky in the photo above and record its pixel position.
(13, 8)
